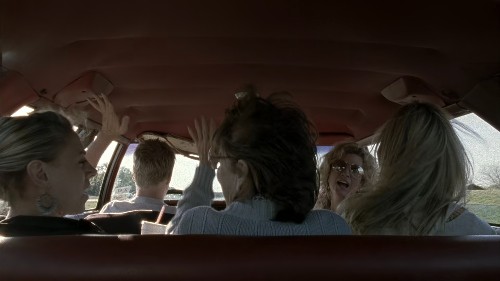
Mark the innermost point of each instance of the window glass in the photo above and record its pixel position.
(321, 151)
(482, 143)
(23, 111)
(183, 173)
(96, 182)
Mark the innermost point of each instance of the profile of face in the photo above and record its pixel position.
(230, 179)
(345, 177)
(68, 177)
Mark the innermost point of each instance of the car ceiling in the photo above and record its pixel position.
(164, 63)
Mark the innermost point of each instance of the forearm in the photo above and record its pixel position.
(97, 148)
(199, 193)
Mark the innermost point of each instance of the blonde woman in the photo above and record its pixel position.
(422, 183)
(345, 170)
(44, 175)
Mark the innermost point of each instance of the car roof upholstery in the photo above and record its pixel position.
(164, 63)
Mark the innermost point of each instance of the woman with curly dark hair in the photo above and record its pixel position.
(265, 156)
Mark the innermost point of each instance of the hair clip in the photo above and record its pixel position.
(240, 95)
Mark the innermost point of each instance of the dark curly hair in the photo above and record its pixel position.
(278, 143)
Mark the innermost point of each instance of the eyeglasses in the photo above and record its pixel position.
(339, 166)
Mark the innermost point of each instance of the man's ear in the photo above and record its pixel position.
(36, 172)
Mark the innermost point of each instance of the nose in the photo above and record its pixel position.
(91, 171)
(346, 172)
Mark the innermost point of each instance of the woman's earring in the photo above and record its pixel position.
(46, 204)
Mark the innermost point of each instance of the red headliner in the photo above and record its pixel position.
(172, 61)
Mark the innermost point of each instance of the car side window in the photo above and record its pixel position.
(96, 182)
(124, 187)
(483, 147)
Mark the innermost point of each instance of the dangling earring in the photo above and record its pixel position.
(46, 204)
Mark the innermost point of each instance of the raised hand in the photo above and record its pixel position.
(202, 137)
(111, 125)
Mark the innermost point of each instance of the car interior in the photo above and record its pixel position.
(349, 64)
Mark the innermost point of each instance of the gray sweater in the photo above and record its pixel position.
(465, 224)
(137, 203)
(252, 217)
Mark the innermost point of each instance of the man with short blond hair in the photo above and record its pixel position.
(152, 170)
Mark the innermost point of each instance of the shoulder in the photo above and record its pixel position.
(115, 207)
(325, 214)
(329, 221)
(200, 213)
(467, 223)
(198, 220)
(476, 223)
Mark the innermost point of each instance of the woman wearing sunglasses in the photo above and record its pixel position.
(344, 170)
(264, 154)
(422, 182)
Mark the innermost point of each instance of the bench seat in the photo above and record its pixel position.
(195, 257)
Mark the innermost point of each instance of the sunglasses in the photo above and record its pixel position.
(340, 166)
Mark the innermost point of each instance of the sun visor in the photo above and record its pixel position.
(77, 92)
(180, 145)
(410, 89)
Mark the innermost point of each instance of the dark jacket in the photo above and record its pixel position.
(45, 225)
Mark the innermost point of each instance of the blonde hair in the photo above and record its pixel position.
(423, 169)
(369, 166)
(153, 162)
(39, 136)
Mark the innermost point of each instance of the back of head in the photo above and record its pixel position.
(153, 162)
(339, 151)
(277, 141)
(423, 168)
(39, 136)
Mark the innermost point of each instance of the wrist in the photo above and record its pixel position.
(105, 137)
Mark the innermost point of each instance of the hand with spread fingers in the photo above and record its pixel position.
(112, 128)
(202, 137)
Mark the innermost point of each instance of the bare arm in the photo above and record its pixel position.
(110, 130)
